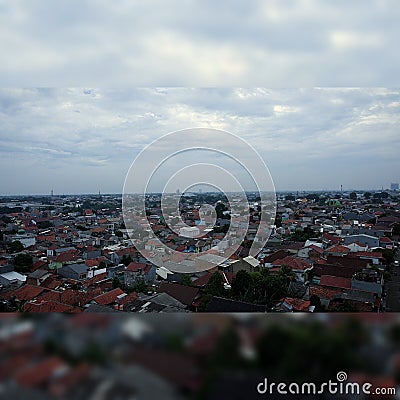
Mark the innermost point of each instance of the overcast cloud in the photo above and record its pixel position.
(270, 43)
(84, 140)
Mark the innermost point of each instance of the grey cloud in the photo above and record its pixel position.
(308, 137)
(228, 43)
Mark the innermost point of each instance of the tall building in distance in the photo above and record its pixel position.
(394, 186)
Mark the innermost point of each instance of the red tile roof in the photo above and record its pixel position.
(51, 283)
(70, 297)
(95, 279)
(324, 292)
(25, 292)
(318, 249)
(202, 281)
(331, 238)
(92, 263)
(71, 255)
(295, 263)
(335, 281)
(297, 304)
(39, 264)
(185, 294)
(338, 249)
(126, 300)
(135, 266)
(108, 297)
(49, 306)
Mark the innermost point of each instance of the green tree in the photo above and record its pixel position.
(186, 281)
(219, 209)
(23, 262)
(343, 307)
(241, 285)
(396, 229)
(353, 196)
(316, 302)
(287, 273)
(215, 285)
(302, 235)
(16, 246)
(388, 256)
(367, 195)
(221, 229)
(313, 196)
(116, 282)
(276, 288)
(44, 224)
(126, 259)
(140, 286)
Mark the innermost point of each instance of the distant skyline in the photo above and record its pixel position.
(83, 140)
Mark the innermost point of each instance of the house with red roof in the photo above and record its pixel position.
(24, 293)
(135, 272)
(291, 304)
(385, 243)
(185, 294)
(373, 257)
(40, 264)
(109, 298)
(335, 282)
(49, 306)
(325, 294)
(124, 302)
(67, 257)
(337, 250)
(299, 266)
(329, 239)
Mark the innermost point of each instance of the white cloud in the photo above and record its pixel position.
(309, 138)
(278, 43)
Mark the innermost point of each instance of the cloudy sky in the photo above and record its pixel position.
(252, 43)
(83, 140)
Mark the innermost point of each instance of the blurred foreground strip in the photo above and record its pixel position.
(201, 356)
